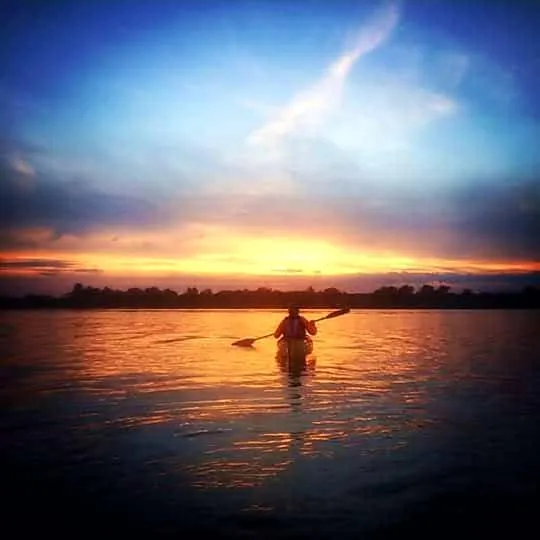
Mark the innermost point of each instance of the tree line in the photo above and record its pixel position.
(406, 296)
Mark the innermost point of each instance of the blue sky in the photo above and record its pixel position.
(403, 133)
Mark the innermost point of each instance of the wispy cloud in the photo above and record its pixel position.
(453, 68)
(309, 106)
(21, 166)
(43, 267)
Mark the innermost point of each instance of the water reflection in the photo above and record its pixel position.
(294, 374)
(251, 420)
(232, 418)
(296, 368)
(255, 456)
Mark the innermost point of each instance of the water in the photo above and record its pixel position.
(402, 422)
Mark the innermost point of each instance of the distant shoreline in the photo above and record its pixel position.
(181, 309)
(405, 297)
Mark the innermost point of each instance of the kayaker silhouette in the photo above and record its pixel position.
(293, 335)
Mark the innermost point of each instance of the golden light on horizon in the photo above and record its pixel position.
(224, 253)
(216, 250)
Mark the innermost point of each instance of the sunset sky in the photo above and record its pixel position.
(239, 144)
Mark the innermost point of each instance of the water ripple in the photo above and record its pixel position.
(391, 407)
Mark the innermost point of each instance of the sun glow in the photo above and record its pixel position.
(229, 252)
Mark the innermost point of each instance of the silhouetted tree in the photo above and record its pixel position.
(384, 297)
(426, 290)
(405, 291)
(443, 289)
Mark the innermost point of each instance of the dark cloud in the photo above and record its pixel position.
(35, 264)
(11, 241)
(69, 207)
(504, 217)
(10, 145)
(475, 221)
(474, 218)
(45, 267)
(497, 221)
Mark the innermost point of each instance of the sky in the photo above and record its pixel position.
(284, 144)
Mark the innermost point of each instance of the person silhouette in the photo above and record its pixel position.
(293, 333)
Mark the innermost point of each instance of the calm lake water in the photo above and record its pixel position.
(415, 422)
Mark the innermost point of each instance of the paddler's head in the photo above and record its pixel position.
(294, 310)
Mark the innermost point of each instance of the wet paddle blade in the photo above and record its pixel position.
(247, 342)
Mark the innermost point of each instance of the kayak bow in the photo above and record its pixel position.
(294, 348)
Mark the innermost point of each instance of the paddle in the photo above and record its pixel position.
(248, 342)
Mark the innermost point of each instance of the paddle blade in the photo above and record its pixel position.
(246, 342)
(337, 313)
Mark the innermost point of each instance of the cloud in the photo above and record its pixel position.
(21, 166)
(43, 267)
(491, 221)
(500, 218)
(68, 207)
(479, 221)
(452, 68)
(388, 106)
(309, 107)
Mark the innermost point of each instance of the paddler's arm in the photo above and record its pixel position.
(311, 327)
(279, 329)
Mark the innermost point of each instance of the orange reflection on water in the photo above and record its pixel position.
(246, 463)
(250, 417)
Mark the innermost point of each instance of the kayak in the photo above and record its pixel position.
(294, 348)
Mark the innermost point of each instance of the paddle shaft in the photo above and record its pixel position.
(250, 341)
(329, 316)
